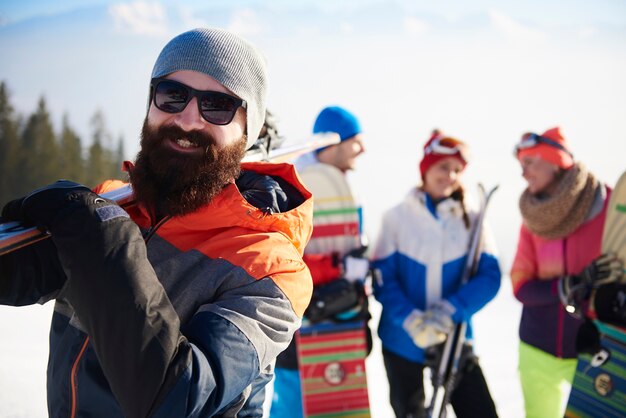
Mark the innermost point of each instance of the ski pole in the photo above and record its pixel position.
(447, 372)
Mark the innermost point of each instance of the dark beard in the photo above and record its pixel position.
(172, 184)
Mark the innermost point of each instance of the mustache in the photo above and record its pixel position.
(173, 133)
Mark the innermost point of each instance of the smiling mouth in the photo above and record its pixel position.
(185, 143)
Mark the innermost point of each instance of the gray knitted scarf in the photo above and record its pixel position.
(565, 209)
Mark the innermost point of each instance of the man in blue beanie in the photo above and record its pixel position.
(343, 155)
(333, 263)
(177, 304)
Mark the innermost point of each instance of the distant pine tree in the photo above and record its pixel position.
(40, 161)
(71, 153)
(118, 160)
(96, 164)
(100, 156)
(10, 150)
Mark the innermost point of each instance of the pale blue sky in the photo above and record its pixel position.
(557, 12)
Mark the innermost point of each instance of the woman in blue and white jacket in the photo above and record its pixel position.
(420, 255)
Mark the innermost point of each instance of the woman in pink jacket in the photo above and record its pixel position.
(563, 210)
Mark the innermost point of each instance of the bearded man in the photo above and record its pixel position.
(178, 305)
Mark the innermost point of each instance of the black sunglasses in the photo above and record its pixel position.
(172, 97)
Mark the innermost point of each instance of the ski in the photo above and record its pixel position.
(13, 235)
(445, 377)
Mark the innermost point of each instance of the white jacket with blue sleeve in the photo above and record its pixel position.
(420, 255)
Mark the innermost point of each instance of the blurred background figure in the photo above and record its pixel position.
(563, 210)
(420, 254)
(337, 266)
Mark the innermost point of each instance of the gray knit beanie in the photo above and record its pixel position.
(227, 58)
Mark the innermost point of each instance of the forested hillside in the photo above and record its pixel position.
(33, 154)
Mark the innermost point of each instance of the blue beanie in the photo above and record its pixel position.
(339, 120)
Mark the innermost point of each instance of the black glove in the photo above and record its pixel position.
(574, 290)
(603, 270)
(12, 211)
(40, 207)
(332, 298)
(262, 192)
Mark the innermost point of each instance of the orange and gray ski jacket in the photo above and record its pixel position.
(179, 319)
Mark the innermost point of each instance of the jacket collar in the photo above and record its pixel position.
(444, 209)
(230, 209)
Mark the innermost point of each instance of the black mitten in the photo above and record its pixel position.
(41, 206)
(12, 211)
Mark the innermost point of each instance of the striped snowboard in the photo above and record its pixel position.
(614, 235)
(332, 370)
(600, 391)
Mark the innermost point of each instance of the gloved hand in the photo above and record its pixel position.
(262, 192)
(355, 268)
(41, 206)
(605, 269)
(431, 327)
(574, 290)
(331, 299)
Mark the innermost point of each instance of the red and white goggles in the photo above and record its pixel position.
(448, 146)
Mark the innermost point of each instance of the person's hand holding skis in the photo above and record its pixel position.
(432, 326)
(43, 206)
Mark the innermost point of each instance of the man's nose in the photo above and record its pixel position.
(524, 171)
(361, 146)
(190, 119)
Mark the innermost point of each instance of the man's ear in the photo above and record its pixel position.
(326, 155)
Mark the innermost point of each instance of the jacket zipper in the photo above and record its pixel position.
(152, 230)
(73, 384)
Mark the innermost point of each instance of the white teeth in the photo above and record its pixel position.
(184, 143)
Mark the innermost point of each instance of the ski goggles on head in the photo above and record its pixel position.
(215, 107)
(530, 140)
(447, 146)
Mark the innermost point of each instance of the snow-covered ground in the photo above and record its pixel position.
(24, 351)
(23, 360)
